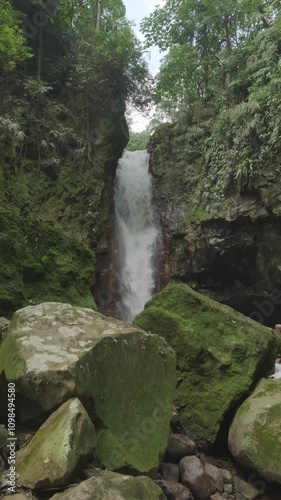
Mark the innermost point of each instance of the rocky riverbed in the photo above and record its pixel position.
(177, 406)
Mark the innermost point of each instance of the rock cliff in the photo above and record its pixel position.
(223, 241)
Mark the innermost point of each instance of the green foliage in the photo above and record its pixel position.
(13, 49)
(222, 71)
(39, 264)
(62, 129)
(201, 37)
(138, 141)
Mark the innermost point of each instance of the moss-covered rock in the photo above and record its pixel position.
(39, 263)
(59, 450)
(255, 434)
(106, 485)
(220, 354)
(125, 376)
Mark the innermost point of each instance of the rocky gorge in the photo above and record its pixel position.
(140, 292)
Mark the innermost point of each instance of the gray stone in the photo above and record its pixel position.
(228, 489)
(54, 351)
(248, 491)
(59, 450)
(106, 485)
(227, 476)
(179, 446)
(195, 477)
(175, 491)
(170, 472)
(216, 475)
(255, 433)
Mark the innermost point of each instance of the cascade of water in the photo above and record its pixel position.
(137, 233)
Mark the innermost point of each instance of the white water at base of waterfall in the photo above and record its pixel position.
(137, 233)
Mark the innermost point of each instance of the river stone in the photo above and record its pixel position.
(55, 351)
(179, 446)
(195, 477)
(246, 490)
(175, 491)
(220, 355)
(216, 475)
(105, 485)
(255, 434)
(59, 450)
(170, 472)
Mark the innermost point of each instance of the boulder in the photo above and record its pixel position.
(125, 377)
(179, 446)
(195, 477)
(170, 472)
(246, 490)
(255, 434)
(59, 450)
(106, 485)
(220, 355)
(175, 491)
(216, 475)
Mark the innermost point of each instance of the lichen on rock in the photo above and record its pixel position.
(54, 351)
(59, 450)
(255, 434)
(109, 485)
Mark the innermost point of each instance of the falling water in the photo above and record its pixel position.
(137, 233)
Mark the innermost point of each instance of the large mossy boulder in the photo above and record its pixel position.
(255, 434)
(59, 450)
(123, 375)
(104, 485)
(220, 355)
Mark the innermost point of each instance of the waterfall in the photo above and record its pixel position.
(137, 233)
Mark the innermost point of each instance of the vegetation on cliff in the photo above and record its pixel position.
(66, 70)
(222, 77)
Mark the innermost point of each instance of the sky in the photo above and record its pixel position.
(136, 11)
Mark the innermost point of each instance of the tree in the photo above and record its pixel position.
(13, 49)
(200, 36)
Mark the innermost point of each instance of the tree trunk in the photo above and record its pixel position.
(40, 54)
(99, 16)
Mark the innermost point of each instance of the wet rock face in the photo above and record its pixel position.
(54, 351)
(230, 252)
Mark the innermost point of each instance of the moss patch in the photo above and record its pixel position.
(220, 354)
(39, 264)
(255, 434)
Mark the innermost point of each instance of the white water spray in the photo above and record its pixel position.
(137, 233)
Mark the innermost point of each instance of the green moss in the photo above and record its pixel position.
(11, 359)
(145, 434)
(220, 354)
(255, 433)
(39, 264)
